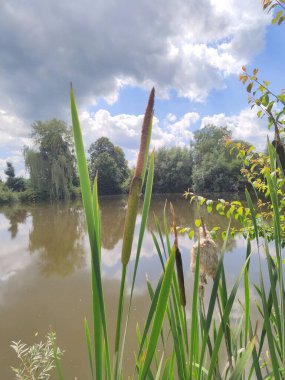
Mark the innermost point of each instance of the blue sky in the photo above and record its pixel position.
(115, 51)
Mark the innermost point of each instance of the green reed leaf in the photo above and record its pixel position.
(98, 299)
(89, 346)
(159, 314)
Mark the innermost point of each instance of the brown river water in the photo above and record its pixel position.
(45, 274)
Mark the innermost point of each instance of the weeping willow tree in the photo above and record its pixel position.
(51, 162)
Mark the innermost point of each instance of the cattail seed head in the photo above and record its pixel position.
(208, 257)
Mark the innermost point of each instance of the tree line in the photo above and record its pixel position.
(206, 165)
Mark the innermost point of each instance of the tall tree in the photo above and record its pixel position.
(173, 170)
(14, 183)
(9, 171)
(51, 162)
(214, 168)
(109, 162)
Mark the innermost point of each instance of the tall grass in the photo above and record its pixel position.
(251, 352)
(196, 333)
(99, 352)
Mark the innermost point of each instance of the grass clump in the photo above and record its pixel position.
(38, 361)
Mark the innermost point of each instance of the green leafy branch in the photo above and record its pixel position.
(268, 102)
(279, 16)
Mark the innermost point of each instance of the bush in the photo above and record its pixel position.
(6, 196)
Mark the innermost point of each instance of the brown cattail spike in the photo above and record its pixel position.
(180, 275)
(146, 123)
(178, 260)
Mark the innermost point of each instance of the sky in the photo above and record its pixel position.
(114, 51)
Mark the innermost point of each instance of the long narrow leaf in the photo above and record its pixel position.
(224, 321)
(90, 220)
(159, 314)
(242, 362)
(89, 347)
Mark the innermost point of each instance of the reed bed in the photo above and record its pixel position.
(196, 332)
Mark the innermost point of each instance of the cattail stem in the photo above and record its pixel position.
(131, 216)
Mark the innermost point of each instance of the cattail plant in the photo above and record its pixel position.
(178, 260)
(132, 210)
(137, 181)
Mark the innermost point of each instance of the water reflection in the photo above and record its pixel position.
(43, 245)
(57, 235)
(113, 210)
(186, 214)
(16, 215)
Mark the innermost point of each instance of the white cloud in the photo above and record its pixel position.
(124, 130)
(245, 126)
(13, 137)
(184, 45)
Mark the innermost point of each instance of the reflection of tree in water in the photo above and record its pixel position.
(57, 234)
(186, 214)
(16, 215)
(112, 217)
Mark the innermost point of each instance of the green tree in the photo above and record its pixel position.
(51, 162)
(214, 168)
(14, 183)
(109, 162)
(173, 170)
(9, 171)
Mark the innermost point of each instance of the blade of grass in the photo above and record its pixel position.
(242, 362)
(157, 377)
(159, 314)
(150, 315)
(56, 359)
(247, 293)
(89, 346)
(97, 322)
(213, 299)
(270, 338)
(90, 220)
(224, 321)
(195, 297)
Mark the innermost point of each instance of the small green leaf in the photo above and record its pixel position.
(197, 222)
(282, 98)
(277, 17)
(265, 100)
(249, 87)
(281, 20)
(191, 234)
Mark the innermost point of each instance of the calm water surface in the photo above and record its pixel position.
(45, 280)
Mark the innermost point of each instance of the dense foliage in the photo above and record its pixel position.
(51, 162)
(214, 168)
(173, 170)
(206, 165)
(6, 195)
(14, 183)
(109, 162)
